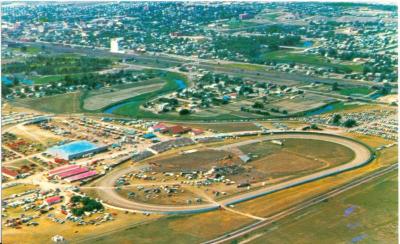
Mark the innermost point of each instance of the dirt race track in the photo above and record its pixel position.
(363, 155)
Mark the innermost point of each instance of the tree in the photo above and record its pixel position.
(336, 119)
(350, 123)
(258, 105)
(16, 81)
(335, 86)
(77, 211)
(76, 198)
(184, 111)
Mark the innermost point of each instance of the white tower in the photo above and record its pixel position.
(114, 48)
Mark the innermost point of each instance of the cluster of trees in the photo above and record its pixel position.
(252, 48)
(255, 111)
(61, 64)
(88, 205)
(336, 120)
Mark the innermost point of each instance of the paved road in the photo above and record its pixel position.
(362, 156)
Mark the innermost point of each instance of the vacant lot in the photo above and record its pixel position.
(107, 97)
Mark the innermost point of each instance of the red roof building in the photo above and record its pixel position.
(9, 173)
(176, 129)
(73, 172)
(53, 200)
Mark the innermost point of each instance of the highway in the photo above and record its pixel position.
(362, 156)
(308, 203)
(212, 65)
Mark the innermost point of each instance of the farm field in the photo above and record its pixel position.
(101, 99)
(365, 214)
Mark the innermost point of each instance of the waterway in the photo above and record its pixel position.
(321, 110)
(181, 85)
(308, 44)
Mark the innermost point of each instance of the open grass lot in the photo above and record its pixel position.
(200, 160)
(180, 229)
(100, 99)
(223, 127)
(287, 56)
(63, 103)
(283, 164)
(16, 189)
(355, 90)
(365, 214)
(312, 149)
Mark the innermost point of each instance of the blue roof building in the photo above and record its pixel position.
(74, 150)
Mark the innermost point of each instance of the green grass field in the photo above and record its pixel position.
(324, 150)
(46, 79)
(287, 56)
(365, 214)
(355, 90)
(63, 103)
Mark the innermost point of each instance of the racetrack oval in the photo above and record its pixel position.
(111, 199)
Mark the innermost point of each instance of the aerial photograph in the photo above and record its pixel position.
(199, 122)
